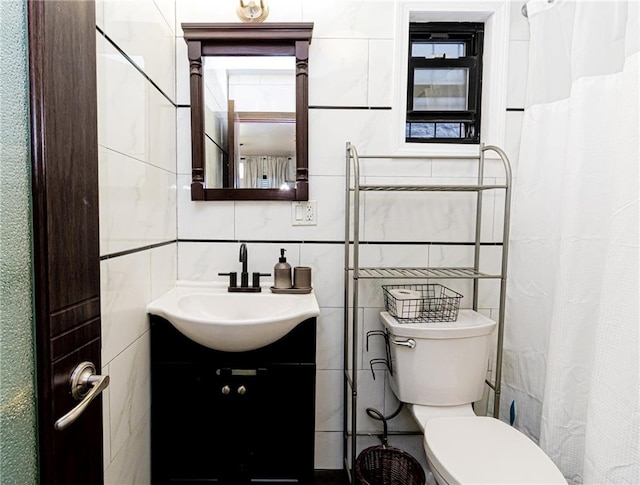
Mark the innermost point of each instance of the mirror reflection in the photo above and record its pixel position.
(250, 122)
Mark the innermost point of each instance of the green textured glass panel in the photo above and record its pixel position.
(18, 443)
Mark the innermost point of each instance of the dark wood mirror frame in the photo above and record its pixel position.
(237, 39)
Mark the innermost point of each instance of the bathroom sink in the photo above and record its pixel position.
(232, 322)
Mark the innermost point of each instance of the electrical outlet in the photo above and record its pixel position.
(304, 213)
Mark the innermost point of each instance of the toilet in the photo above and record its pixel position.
(439, 370)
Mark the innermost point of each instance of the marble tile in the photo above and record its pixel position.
(183, 93)
(329, 339)
(104, 206)
(100, 14)
(361, 342)
(397, 168)
(338, 72)
(330, 130)
(380, 76)
(106, 422)
(122, 103)
(350, 19)
(455, 168)
(272, 220)
(164, 269)
(370, 395)
(168, 10)
(402, 255)
(162, 131)
(130, 396)
(263, 220)
(373, 347)
(328, 450)
(443, 256)
(397, 216)
(183, 140)
(517, 77)
(201, 219)
(140, 30)
(329, 385)
(124, 294)
(132, 465)
(201, 261)
(262, 257)
(141, 203)
(327, 263)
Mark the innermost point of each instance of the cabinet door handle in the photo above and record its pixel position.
(242, 390)
(225, 390)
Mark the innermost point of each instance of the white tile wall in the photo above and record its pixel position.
(138, 192)
(140, 29)
(338, 72)
(129, 283)
(140, 132)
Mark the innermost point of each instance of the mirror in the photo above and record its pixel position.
(249, 103)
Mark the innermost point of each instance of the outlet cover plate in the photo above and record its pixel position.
(304, 213)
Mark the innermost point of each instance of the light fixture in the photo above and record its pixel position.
(252, 12)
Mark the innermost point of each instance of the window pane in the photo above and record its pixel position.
(430, 50)
(449, 130)
(420, 130)
(440, 89)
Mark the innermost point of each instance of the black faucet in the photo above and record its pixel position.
(244, 276)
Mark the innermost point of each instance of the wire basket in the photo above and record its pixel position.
(421, 303)
(386, 465)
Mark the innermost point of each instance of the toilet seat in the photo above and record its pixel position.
(484, 450)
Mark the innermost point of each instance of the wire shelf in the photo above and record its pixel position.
(448, 273)
(427, 188)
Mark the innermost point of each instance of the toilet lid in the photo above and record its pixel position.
(484, 450)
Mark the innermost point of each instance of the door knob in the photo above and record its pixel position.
(225, 390)
(242, 390)
(85, 387)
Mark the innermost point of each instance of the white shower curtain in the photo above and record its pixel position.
(572, 323)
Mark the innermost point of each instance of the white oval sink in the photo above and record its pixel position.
(232, 322)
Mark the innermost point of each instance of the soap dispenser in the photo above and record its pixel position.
(282, 272)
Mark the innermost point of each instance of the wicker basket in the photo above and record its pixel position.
(386, 465)
(435, 303)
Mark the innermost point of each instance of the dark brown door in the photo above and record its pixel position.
(62, 58)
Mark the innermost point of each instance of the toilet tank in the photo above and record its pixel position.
(448, 364)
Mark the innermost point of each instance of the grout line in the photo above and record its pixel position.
(136, 250)
(132, 62)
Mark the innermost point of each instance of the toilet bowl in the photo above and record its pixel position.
(439, 370)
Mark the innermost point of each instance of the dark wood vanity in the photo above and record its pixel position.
(232, 418)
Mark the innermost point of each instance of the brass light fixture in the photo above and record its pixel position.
(252, 12)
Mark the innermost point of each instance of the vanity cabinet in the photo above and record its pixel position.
(232, 418)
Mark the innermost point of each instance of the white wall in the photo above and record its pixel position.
(137, 138)
(350, 71)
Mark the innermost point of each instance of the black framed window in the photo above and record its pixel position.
(444, 83)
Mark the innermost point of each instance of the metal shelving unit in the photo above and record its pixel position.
(353, 272)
